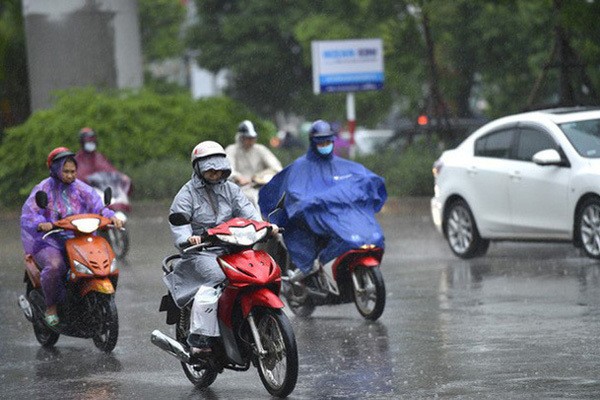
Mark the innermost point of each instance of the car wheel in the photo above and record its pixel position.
(461, 231)
(588, 227)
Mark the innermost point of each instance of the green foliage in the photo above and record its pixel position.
(160, 26)
(406, 172)
(159, 179)
(133, 128)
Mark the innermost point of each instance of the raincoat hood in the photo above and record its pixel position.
(218, 163)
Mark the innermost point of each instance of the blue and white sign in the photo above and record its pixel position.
(347, 65)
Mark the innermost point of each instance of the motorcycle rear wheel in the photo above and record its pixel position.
(106, 339)
(201, 377)
(369, 296)
(278, 369)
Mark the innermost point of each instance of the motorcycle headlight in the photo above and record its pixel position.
(86, 225)
(243, 236)
(82, 269)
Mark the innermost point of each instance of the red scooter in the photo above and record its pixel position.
(89, 310)
(351, 277)
(254, 329)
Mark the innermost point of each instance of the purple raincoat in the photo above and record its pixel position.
(63, 200)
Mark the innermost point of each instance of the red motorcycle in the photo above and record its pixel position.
(352, 277)
(254, 329)
(89, 310)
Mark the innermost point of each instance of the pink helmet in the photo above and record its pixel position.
(206, 149)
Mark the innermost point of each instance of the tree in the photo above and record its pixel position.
(14, 82)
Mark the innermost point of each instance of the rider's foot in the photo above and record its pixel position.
(51, 320)
(200, 347)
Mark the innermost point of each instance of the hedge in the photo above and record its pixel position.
(134, 128)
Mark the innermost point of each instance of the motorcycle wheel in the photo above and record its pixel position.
(200, 376)
(44, 335)
(119, 241)
(369, 292)
(108, 323)
(278, 368)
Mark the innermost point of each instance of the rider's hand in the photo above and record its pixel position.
(44, 226)
(242, 180)
(274, 229)
(116, 222)
(195, 240)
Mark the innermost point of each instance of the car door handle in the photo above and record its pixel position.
(515, 176)
(472, 170)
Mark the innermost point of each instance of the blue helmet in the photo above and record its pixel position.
(320, 131)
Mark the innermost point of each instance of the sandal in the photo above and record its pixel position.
(51, 320)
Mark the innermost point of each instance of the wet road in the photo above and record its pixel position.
(520, 323)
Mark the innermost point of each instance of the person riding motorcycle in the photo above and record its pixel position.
(208, 199)
(67, 195)
(249, 159)
(89, 159)
(329, 203)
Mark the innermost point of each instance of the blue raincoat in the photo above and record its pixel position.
(329, 208)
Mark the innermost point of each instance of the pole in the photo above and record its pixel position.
(351, 116)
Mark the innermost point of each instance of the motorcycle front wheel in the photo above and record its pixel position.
(200, 376)
(107, 322)
(278, 368)
(43, 334)
(369, 291)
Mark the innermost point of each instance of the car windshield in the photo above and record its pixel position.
(584, 136)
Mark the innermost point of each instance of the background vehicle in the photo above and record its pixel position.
(254, 329)
(89, 310)
(530, 176)
(120, 185)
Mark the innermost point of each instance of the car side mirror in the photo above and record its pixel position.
(41, 199)
(547, 157)
(179, 219)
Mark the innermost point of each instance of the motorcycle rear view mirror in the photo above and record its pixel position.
(179, 219)
(278, 206)
(281, 201)
(41, 199)
(107, 196)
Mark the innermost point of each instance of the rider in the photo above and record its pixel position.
(66, 196)
(329, 203)
(249, 159)
(91, 161)
(88, 158)
(208, 199)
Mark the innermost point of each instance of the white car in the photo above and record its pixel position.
(530, 176)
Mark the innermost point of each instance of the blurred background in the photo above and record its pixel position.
(155, 77)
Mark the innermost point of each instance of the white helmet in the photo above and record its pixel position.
(206, 149)
(246, 130)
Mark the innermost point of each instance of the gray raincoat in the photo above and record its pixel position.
(208, 205)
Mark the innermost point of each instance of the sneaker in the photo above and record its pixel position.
(295, 276)
(51, 320)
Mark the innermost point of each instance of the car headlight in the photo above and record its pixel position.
(82, 269)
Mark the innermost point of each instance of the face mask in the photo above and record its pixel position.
(89, 146)
(326, 149)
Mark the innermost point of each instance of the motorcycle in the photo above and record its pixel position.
(254, 329)
(120, 184)
(89, 310)
(354, 276)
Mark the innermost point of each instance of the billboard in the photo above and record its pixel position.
(347, 65)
